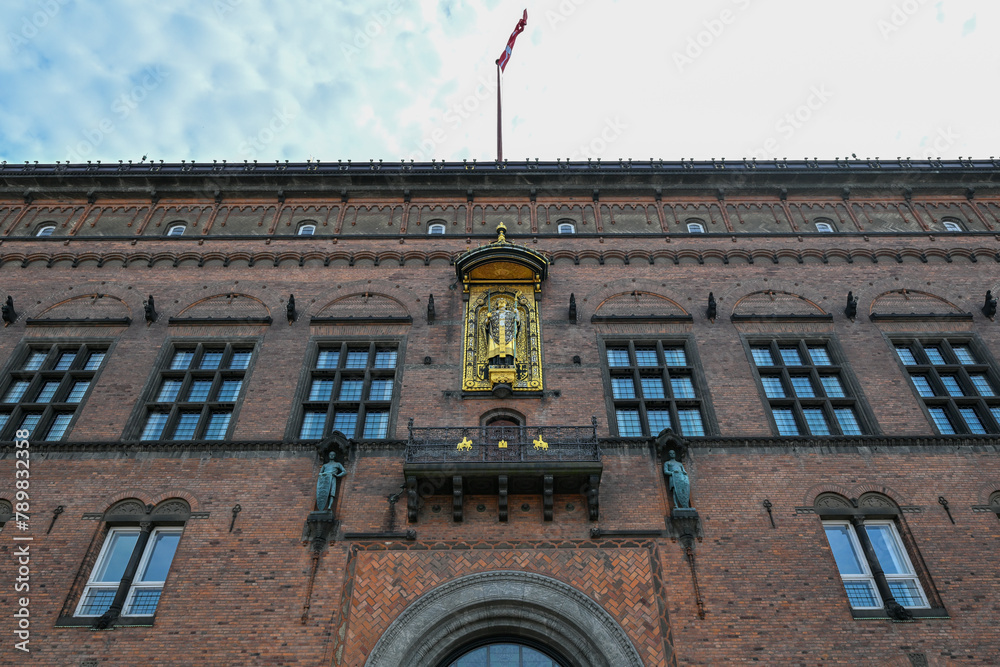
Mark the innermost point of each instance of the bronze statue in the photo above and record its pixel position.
(326, 483)
(677, 481)
(501, 335)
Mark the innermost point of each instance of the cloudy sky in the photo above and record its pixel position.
(393, 79)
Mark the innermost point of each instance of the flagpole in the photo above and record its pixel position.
(499, 116)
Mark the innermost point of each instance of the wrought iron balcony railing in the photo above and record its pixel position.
(503, 444)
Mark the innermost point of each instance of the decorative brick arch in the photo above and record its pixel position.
(88, 306)
(504, 603)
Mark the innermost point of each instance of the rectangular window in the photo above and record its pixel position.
(954, 379)
(46, 385)
(856, 571)
(809, 391)
(111, 566)
(351, 389)
(653, 388)
(197, 390)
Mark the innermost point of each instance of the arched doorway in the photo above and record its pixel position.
(488, 608)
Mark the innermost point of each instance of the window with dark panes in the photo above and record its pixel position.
(197, 392)
(45, 386)
(350, 389)
(653, 386)
(957, 382)
(807, 388)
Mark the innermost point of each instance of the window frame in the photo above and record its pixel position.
(45, 229)
(695, 227)
(150, 404)
(565, 228)
(950, 405)
(868, 575)
(952, 226)
(825, 227)
(663, 370)
(434, 226)
(304, 225)
(134, 585)
(361, 407)
(829, 405)
(12, 414)
(176, 225)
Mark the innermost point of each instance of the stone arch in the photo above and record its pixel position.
(496, 414)
(227, 305)
(638, 302)
(773, 302)
(911, 302)
(367, 304)
(88, 306)
(504, 603)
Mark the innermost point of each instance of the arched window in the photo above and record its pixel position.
(505, 653)
(45, 230)
(176, 230)
(825, 227)
(696, 228)
(566, 228)
(952, 226)
(436, 228)
(306, 229)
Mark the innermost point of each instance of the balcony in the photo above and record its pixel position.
(502, 460)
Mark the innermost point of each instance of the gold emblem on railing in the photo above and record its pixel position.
(540, 444)
(464, 445)
(502, 444)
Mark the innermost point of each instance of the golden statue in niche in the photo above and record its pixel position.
(502, 342)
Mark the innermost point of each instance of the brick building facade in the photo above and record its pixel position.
(841, 453)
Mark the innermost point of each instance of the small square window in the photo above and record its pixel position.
(356, 359)
(646, 358)
(186, 425)
(816, 421)
(772, 387)
(15, 392)
(785, 420)
(682, 387)
(790, 356)
(964, 355)
(923, 385)
(674, 356)
(905, 355)
(628, 423)
(78, 391)
(934, 355)
(982, 385)
(617, 358)
(972, 421)
(820, 355)
(376, 424)
(328, 359)
(169, 391)
(240, 360)
(622, 388)
(762, 356)
(47, 392)
(658, 420)
(350, 390)
(847, 421)
(652, 387)
(34, 361)
(802, 385)
(385, 358)
(211, 360)
(198, 392)
(312, 425)
(941, 420)
(59, 425)
(321, 390)
(229, 391)
(832, 385)
(30, 422)
(218, 423)
(65, 360)
(94, 361)
(380, 390)
(155, 423)
(690, 422)
(951, 385)
(181, 360)
(345, 423)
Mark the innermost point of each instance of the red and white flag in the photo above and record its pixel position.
(518, 29)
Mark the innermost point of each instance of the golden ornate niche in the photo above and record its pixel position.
(502, 341)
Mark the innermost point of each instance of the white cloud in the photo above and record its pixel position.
(245, 79)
